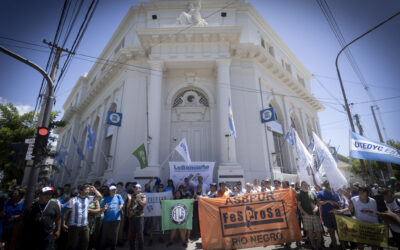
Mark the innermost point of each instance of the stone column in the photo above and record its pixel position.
(227, 145)
(154, 109)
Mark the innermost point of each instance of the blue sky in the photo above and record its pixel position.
(301, 25)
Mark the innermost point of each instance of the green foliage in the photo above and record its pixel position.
(16, 128)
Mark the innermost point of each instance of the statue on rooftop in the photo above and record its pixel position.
(192, 16)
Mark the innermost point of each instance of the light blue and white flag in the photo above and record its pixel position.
(91, 137)
(305, 162)
(60, 159)
(230, 119)
(364, 148)
(311, 145)
(289, 136)
(333, 173)
(78, 149)
(183, 150)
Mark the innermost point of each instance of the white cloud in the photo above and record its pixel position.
(22, 109)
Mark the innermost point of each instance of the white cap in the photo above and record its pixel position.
(138, 185)
(112, 187)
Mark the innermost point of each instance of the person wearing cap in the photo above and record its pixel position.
(268, 185)
(77, 211)
(213, 191)
(112, 207)
(249, 188)
(136, 204)
(39, 220)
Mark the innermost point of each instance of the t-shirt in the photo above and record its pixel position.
(166, 189)
(12, 210)
(42, 217)
(365, 211)
(137, 210)
(79, 211)
(324, 195)
(221, 194)
(308, 201)
(112, 212)
(395, 208)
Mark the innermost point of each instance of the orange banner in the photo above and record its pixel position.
(249, 220)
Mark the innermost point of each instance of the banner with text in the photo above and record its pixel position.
(180, 170)
(362, 232)
(249, 220)
(364, 148)
(153, 203)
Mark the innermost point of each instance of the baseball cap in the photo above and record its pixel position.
(47, 189)
(138, 185)
(112, 187)
(213, 184)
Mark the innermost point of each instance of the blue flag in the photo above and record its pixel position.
(59, 158)
(78, 149)
(289, 136)
(91, 137)
(311, 145)
(364, 148)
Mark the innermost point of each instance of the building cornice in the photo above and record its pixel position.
(269, 63)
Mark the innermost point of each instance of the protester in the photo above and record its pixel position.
(223, 191)
(200, 183)
(136, 203)
(10, 215)
(112, 207)
(249, 188)
(256, 186)
(364, 209)
(307, 204)
(394, 206)
(213, 191)
(170, 186)
(77, 210)
(268, 185)
(180, 232)
(240, 188)
(285, 184)
(329, 200)
(277, 184)
(39, 222)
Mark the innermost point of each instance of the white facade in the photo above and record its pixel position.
(184, 75)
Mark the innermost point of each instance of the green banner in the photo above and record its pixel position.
(362, 232)
(141, 155)
(177, 214)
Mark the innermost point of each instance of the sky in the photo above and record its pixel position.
(300, 24)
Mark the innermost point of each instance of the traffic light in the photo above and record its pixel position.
(42, 136)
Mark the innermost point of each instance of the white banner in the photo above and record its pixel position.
(305, 162)
(335, 177)
(153, 204)
(178, 171)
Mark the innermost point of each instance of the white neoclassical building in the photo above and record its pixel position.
(170, 69)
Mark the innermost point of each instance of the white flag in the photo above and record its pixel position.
(335, 177)
(183, 150)
(305, 162)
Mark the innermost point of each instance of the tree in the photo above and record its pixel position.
(16, 128)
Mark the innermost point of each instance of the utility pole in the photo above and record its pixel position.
(43, 121)
(388, 164)
(340, 77)
(361, 130)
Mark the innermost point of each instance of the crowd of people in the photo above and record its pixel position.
(101, 216)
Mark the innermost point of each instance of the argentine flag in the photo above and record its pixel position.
(91, 137)
(230, 119)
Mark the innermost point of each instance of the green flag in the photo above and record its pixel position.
(177, 214)
(141, 155)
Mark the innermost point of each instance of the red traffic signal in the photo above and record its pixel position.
(43, 131)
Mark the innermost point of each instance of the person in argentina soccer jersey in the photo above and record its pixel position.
(77, 211)
(394, 205)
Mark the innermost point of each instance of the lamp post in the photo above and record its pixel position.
(340, 77)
